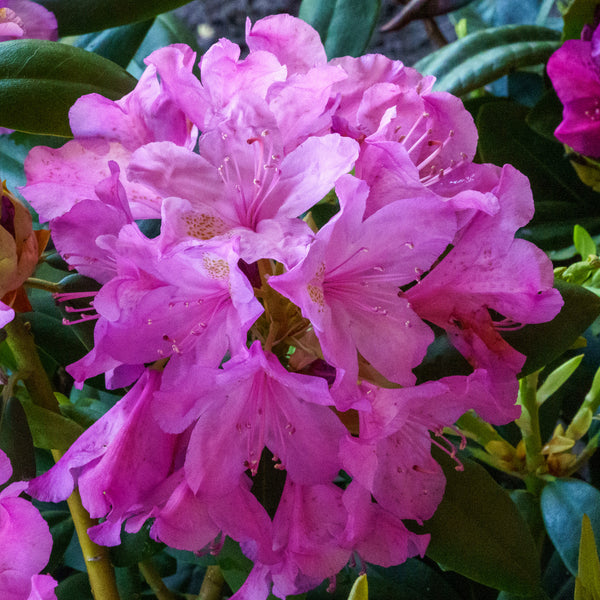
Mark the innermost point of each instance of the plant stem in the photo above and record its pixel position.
(212, 585)
(42, 284)
(154, 580)
(529, 424)
(31, 371)
(97, 559)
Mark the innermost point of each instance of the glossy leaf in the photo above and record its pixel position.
(478, 532)
(484, 56)
(84, 16)
(166, 29)
(62, 529)
(50, 430)
(578, 14)
(345, 26)
(135, 548)
(557, 378)
(40, 81)
(118, 44)
(15, 440)
(543, 342)
(563, 503)
(561, 200)
(587, 584)
(584, 243)
(360, 589)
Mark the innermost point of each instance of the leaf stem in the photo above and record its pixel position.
(529, 424)
(212, 584)
(154, 580)
(97, 559)
(42, 284)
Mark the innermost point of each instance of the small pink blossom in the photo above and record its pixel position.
(20, 19)
(25, 544)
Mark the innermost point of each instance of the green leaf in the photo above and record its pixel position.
(40, 81)
(50, 430)
(546, 115)
(75, 586)
(561, 199)
(166, 29)
(587, 584)
(135, 547)
(62, 529)
(578, 14)
(563, 503)
(118, 44)
(543, 342)
(84, 16)
(557, 378)
(345, 26)
(16, 440)
(584, 243)
(360, 589)
(478, 532)
(484, 56)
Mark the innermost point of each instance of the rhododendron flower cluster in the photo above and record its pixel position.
(258, 343)
(26, 542)
(575, 73)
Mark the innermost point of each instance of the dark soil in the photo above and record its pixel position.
(213, 19)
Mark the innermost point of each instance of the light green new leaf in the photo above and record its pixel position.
(345, 26)
(84, 16)
(360, 589)
(50, 430)
(584, 243)
(587, 583)
(484, 56)
(40, 81)
(557, 378)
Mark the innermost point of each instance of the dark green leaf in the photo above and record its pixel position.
(75, 586)
(135, 548)
(484, 56)
(50, 430)
(62, 529)
(118, 44)
(412, 580)
(166, 29)
(542, 343)
(578, 14)
(84, 16)
(478, 532)
(546, 115)
(564, 502)
(345, 26)
(561, 199)
(16, 441)
(40, 81)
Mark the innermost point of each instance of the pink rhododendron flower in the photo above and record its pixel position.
(20, 19)
(25, 544)
(574, 70)
(248, 332)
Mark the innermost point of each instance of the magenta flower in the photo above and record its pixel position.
(25, 544)
(349, 281)
(575, 73)
(20, 19)
(246, 330)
